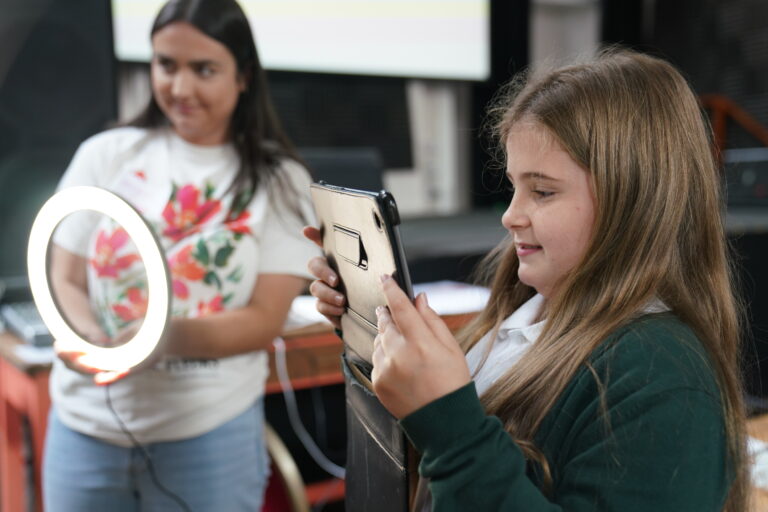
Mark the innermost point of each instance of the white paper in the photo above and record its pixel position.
(445, 297)
(453, 297)
(34, 355)
(304, 312)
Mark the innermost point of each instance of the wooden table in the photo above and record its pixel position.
(312, 356)
(23, 394)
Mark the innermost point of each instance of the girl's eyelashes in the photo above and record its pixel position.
(531, 188)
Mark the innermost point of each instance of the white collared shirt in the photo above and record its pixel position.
(516, 334)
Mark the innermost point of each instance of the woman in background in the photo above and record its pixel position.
(210, 169)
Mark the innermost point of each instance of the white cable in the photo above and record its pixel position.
(293, 414)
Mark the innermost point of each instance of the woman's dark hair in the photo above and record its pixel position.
(257, 134)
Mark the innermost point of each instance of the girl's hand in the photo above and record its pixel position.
(79, 362)
(416, 359)
(330, 302)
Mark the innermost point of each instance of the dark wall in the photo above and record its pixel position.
(752, 251)
(323, 110)
(56, 88)
(509, 55)
(721, 45)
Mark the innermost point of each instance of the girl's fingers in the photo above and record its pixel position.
(377, 360)
(318, 267)
(403, 313)
(325, 293)
(383, 318)
(313, 234)
(433, 320)
(329, 309)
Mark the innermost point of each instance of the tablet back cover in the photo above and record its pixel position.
(361, 242)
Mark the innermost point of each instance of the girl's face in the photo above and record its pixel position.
(552, 211)
(195, 82)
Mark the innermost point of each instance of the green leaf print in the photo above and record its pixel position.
(201, 253)
(212, 279)
(236, 275)
(222, 255)
(209, 190)
(227, 298)
(219, 238)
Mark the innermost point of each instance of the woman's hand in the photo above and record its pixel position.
(330, 302)
(416, 359)
(80, 362)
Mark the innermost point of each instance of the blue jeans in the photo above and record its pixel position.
(223, 470)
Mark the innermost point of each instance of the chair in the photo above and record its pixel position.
(285, 490)
(352, 167)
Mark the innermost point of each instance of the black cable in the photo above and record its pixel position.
(145, 454)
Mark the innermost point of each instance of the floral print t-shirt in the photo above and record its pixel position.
(216, 245)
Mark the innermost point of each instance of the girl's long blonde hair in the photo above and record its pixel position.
(633, 122)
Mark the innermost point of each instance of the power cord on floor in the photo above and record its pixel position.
(145, 454)
(293, 414)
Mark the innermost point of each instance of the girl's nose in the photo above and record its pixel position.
(515, 216)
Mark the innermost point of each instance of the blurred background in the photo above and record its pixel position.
(396, 91)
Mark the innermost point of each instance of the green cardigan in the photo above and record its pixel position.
(665, 449)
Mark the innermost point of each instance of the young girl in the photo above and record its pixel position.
(603, 373)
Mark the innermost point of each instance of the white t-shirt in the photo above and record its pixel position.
(215, 252)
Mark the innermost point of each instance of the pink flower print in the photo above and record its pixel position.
(184, 267)
(141, 175)
(184, 214)
(106, 262)
(215, 305)
(136, 307)
(239, 225)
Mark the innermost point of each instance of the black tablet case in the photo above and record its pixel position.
(361, 242)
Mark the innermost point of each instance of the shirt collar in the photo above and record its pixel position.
(655, 305)
(524, 319)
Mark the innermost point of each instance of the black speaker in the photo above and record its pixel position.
(57, 87)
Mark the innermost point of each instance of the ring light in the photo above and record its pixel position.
(143, 343)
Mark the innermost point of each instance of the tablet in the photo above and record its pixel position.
(361, 241)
